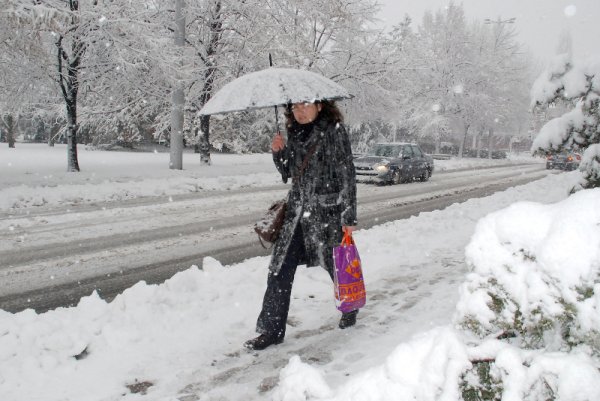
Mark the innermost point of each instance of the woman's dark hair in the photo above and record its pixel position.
(329, 111)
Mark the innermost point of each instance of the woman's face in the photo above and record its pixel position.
(306, 113)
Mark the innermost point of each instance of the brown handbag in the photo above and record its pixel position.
(269, 226)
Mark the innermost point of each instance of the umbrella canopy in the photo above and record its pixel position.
(273, 87)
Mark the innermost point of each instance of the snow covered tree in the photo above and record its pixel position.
(60, 24)
(329, 39)
(444, 52)
(111, 63)
(334, 41)
(24, 85)
(220, 33)
(459, 75)
(65, 43)
(465, 78)
(118, 62)
(505, 80)
(579, 128)
(130, 99)
(491, 97)
(381, 72)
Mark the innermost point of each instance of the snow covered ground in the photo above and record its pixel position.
(182, 339)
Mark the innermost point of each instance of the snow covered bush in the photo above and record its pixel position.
(536, 275)
(533, 296)
(580, 127)
(513, 374)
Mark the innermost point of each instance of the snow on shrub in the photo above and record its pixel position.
(533, 301)
(536, 275)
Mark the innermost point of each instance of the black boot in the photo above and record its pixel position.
(348, 319)
(263, 341)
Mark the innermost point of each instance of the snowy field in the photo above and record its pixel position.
(181, 340)
(35, 174)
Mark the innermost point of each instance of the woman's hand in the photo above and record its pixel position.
(348, 229)
(278, 143)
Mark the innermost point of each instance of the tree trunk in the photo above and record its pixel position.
(8, 123)
(53, 131)
(216, 30)
(69, 85)
(10, 137)
(203, 142)
(462, 142)
(176, 144)
(178, 98)
(479, 137)
(72, 87)
(491, 134)
(72, 161)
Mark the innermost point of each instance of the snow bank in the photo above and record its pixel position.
(427, 368)
(148, 333)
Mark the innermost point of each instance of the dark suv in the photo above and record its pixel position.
(394, 163)
(566, 160)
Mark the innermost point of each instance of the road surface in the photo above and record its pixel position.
(52, 257)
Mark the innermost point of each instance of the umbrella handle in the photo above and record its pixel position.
(275, 107)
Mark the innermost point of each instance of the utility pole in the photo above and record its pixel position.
(498, 30)
(178, 97)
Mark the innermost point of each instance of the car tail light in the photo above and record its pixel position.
(549, 157)
(578, 157)
(570, 158)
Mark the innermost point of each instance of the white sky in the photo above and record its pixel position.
(539, 22)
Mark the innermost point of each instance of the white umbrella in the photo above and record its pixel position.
(273, 87)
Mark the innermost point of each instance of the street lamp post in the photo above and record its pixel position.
(178, 96)
(498, 30)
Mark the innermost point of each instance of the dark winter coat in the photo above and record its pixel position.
(322, 199)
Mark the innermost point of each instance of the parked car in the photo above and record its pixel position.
(566, 160)
(393, 163)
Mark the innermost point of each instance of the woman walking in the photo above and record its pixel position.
(321, 205)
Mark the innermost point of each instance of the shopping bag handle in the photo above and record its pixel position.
(347, 239)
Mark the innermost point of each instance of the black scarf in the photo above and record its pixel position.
(301, 132)
(305, 136)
